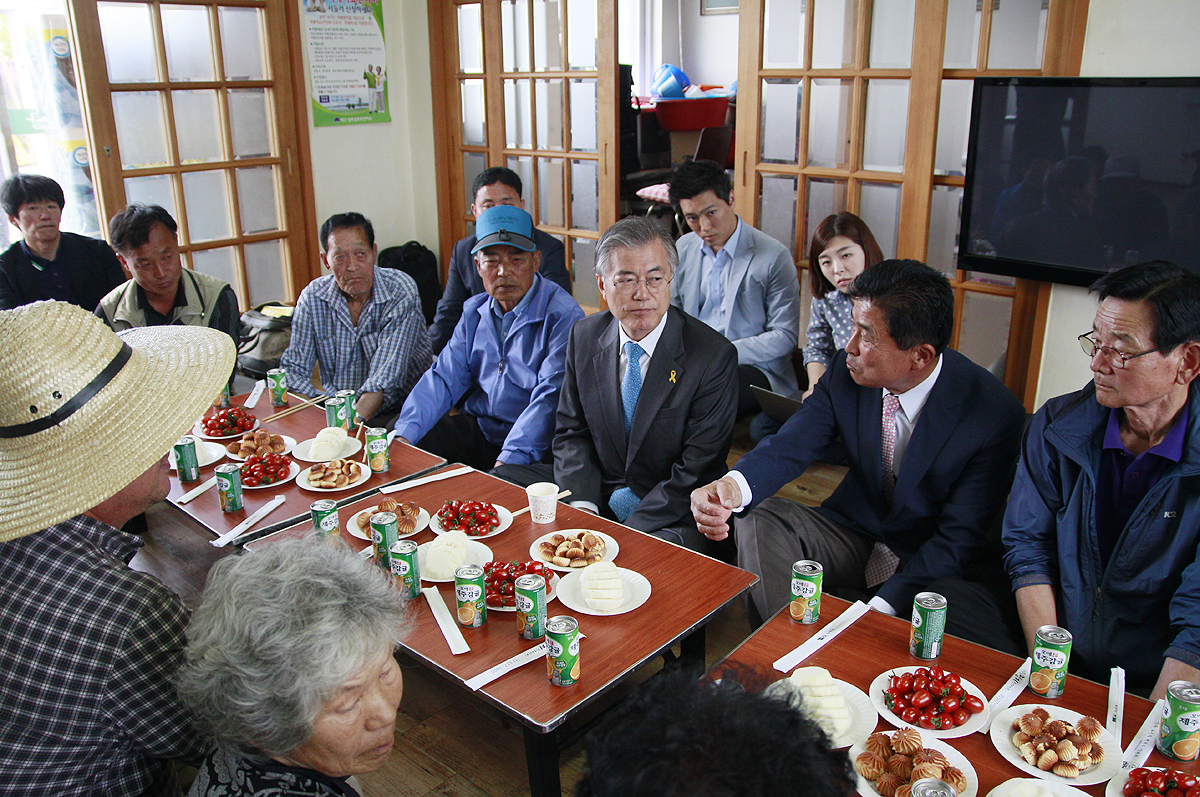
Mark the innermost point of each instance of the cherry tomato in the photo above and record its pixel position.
(894, 682)
(1193, 791)
(936, 688)
(1156, 781)
(921, 671)
(1140, 773)
(952, 679)
(920, 681)
(921, 699)
(1186, 781)
(1132, 788)
(909, 715)
(906, 682)
(925, 720)
(937, 673)
(1174, 793)
(950, 703)
(250, 481)
(961, 716)
(972, 704)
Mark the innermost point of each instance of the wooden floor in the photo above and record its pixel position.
(446, 745)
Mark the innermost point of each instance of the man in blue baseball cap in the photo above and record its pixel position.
(504, 360)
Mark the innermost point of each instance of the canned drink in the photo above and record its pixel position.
(225, 399)
(349, 422)
(334, 415)
(405, 567)
(468, 592)
(186, 464)
(928, 625)
(530, 593)
(1179, 729)
(324, 518)
(377, 450)
(562, 650)
(807, 576)
(277, 384)
(384, 534)
(932, 787)
(1051, 650)
(229, 487)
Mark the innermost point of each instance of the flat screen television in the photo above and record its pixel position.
(1069, 178)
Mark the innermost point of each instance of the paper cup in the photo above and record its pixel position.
(543, 501)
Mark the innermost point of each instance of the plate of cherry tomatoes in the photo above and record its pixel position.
(499, 578)
(477, 519)
(226, 424)
(936, 701)
(272, 470)
(1153, 782)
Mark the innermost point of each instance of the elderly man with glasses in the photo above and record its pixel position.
(1103, 523)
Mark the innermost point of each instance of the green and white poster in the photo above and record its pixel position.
(347, 61)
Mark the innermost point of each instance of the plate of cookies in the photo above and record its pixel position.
(573, 549)
(333, 476)
(259, 442)
(410, 518)
(1056, 744)
(888, 764)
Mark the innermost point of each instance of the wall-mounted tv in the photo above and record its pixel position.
(1069, 178)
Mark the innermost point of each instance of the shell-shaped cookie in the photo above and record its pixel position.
(1089, 728)
(1030, 724)
(1066, 750)
(1057, 728)
(1065, 769)
(1047, 760)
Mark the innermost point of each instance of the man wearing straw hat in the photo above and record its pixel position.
(89, 647)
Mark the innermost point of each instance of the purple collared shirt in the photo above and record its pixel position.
(1125, 479)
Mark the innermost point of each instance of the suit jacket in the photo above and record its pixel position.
(681, 428)
(764, 307)
(92, 268)
(463, 282)
(943, 521)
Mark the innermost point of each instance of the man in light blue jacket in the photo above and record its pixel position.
(504, 360)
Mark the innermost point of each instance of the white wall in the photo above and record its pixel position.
(386, 171)
(709, 44)
(1147, 39)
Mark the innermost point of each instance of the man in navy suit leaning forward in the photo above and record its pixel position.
(932, 441)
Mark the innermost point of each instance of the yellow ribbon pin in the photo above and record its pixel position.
(672, 377)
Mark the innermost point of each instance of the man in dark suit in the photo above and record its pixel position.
(932, 441)
(495, 186)
(636, 454)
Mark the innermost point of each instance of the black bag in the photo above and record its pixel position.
(419, 262)
(264, 340)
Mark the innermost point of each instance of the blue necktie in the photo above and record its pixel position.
(632, 386)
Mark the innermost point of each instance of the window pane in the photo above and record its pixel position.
(264, 272)
(220, 263)
(514, 17)
(879, 207)
(954, 119)
(828, 122)
(206, 197)
(945, 206)
(549, 99)
(197, 126)
(249, 122)
(1018, 31)
(583, 287)
(777, 209)
(518, 114)
(189, 43)
(891, 33)
(962, 34)
(833, 34)
(258, 200)
(585, 192)
(128, 42)
(151, 190)
(824, 198)
(473, 164)
(783, 34)
(983, 333)
(581, 34)
(887, 115)
(242, 43)
(550, 192)
(141, 134)
(470, 38)
(547, 35)
(780, 120)
(523, 166)
(583, 115)
(474, 128)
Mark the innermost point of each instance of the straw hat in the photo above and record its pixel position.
(84, 412)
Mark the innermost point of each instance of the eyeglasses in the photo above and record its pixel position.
(628, 285)
(1116, 358)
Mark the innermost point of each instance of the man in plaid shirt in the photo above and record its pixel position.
(88, 647)
(361, 325)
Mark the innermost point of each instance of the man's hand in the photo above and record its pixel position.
(712, 506)
(1035, 603)
(368, 404)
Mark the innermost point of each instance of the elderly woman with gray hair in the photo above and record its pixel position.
(290, 669)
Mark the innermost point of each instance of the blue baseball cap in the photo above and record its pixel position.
(504, 224)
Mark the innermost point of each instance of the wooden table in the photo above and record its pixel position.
(687, 590)
(406, 461)
(877, 642)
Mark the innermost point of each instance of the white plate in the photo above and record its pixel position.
(956, 759)
(206, 453)
(198, 431)
(364, 474)
(1061, 789)
(1002, 733)
(551, 594)
(879, 685)
(505, 517)
(477, 554)
(637, 592)
(354, 531)
(611, 549)
(288, 444)
(863, 716)
(350, 447)
(293, 469)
